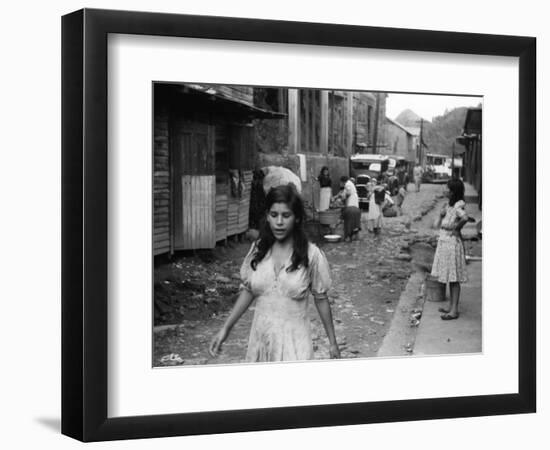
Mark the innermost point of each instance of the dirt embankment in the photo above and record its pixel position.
(196, 286)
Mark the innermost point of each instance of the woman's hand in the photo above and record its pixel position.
(334, 351)
(217, 342)
(241, 305)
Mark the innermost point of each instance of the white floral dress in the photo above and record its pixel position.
(449, 261)
(281, 327)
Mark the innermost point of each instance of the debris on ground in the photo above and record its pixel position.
(197, 290)
(171, 359)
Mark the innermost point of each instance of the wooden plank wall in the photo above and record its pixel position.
(198, 204)
(472, 164)
(196, 148)
(222, 170)
(161, 183)
(232, 209)
(221, 211)
(244, 202)
(238, 207)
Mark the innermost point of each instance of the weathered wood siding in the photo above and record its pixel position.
(241, 158)
(232, 215)
(244, 202)
(192, 144)
(238, 204)
(472, 163)
(198, 206)
(221, 213)
(222, 177)
(161, 183)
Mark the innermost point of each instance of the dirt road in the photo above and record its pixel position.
(368, 277)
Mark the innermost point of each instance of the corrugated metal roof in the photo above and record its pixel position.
(245, 106)
(215, 101)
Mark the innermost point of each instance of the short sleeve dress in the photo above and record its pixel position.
(450, 261)
(281, 327)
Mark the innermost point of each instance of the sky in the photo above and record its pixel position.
(426, 106)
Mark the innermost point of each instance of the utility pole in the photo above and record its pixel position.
(421, 150)
(375, 131)
(331, 135)
(453, 161)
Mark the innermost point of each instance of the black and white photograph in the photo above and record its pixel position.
(295, 224)
(275, 225)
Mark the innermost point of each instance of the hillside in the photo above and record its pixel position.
(442, 132)
(439, 134)
(409, 118)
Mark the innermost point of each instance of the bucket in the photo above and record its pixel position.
(330, 217)
(435, 291)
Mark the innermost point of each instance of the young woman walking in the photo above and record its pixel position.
(280, 271)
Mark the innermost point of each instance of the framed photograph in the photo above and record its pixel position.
(273, 225)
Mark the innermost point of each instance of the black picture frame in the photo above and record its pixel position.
(84, 224)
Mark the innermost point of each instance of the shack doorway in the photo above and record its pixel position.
(194, 184)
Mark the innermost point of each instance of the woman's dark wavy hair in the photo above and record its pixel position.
(456, 187)
(289, 195)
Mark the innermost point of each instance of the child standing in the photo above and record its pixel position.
(449, 264)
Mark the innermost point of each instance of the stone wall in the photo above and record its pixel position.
(271, 136)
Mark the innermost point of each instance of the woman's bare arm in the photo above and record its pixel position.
(323, 307)
(241, 305)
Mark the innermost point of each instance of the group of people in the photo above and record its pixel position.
(282, 268)
(379, 199)
(347, 198)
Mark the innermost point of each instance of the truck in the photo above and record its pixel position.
(364, 167)
(437, 169)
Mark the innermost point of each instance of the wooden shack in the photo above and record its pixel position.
(472, 159)
(203, 156)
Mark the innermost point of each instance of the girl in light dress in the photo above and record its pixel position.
(449, 264)
(280, 270)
